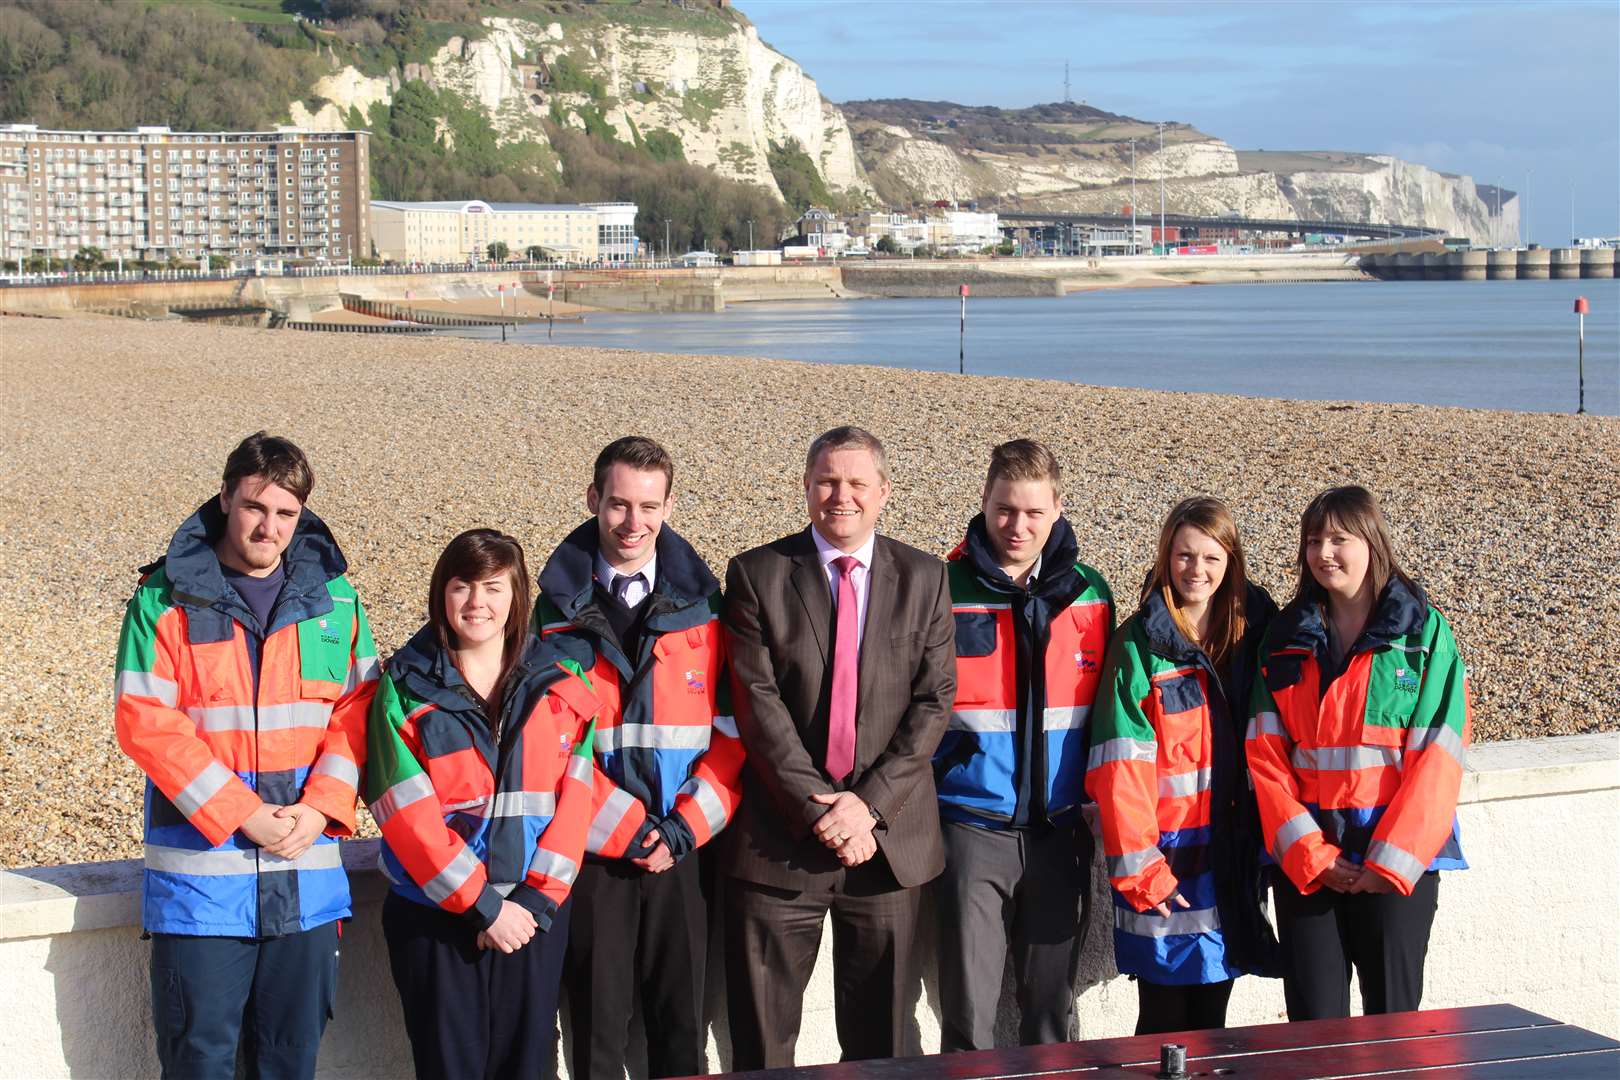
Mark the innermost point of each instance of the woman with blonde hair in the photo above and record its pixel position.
(1360, 720)
(1166, 770)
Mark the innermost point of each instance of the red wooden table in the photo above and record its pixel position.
(1479, 1042)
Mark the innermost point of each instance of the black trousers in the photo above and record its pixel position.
(273, 995)
(772, 938)
(472, 1012)
(1385, 936)
(1162, 1008)
(637, 937)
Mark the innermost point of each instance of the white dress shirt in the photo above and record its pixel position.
(860, 577)
(635, 592)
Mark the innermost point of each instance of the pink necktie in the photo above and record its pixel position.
(846, 673)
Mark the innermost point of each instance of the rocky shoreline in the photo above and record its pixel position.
(116, 430)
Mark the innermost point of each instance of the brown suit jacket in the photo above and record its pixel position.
(778, 618)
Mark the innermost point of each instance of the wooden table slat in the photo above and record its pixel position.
(1601, 1065)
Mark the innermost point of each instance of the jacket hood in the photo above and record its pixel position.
(312, 558)
(425, 668)
(1165, 638)
(1400, 610)
(1061, 551)
(569, 574)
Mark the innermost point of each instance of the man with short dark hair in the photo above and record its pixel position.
(840, 644)
(629, 600)
(245, 671)
(1032, 627)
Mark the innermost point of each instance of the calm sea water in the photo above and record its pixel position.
(1491, 344)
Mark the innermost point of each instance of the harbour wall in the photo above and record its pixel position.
(1538, 264)
(1538, 820)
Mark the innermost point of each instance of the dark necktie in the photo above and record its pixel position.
(621, 586)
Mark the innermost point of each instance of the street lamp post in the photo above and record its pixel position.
(750, 234)
(668, 255)
(1163, 244)
(1133, 196)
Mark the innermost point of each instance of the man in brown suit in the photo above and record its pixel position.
(843, 655)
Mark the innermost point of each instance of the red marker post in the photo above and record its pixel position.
(501, 289)
(1581, 308)
(961, 340)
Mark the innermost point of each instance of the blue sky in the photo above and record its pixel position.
(1494, 90)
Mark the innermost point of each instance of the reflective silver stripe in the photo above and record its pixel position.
(204, 786)
(447, 881)
(726, 725)
(653, 736)
(1173, 674)
(1409, 648)
(969, 609)
(1152, 924)
(293, 714)
(146, 684)
(1122, 750)
(552, 865)
(1440, 736)
(617, 804)
(1092, 602)
(1400, 860)
(363, 670)
(1290, 831)
(552, 627)
(504, 888)
(708, 800)
(228, 862)
(525, 804)
(407, 791)
(983, 720)
(1133, 862)
(337, 767)
(1065, 717)
(1267, 723)
(1344, 758)
(1181, 785)
(579, 768)
(480, 804)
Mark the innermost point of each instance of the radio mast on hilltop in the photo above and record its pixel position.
(1067, 99)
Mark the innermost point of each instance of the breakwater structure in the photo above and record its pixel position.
(1526, 264)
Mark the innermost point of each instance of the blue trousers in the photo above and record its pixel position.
(271, 995)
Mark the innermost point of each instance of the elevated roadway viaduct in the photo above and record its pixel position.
(1370, 229)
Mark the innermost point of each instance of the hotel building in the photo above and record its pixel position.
(460, 229)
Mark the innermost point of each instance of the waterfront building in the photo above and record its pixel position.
(460, 229)
(823, 230)
(157, 194)
(616, 239)
(964, 231)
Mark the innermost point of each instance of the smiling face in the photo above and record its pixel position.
(476, 611)
(1018, 516)
(260, 519)
(1338, 560)
(845, 493)
(1197, 567)
(631, 507)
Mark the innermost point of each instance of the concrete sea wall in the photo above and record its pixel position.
(1531, 924)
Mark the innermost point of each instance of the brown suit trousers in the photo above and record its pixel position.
(782, 882)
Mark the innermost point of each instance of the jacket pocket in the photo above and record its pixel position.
(975, 633)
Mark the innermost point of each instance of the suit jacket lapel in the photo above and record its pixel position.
(810, 581)
(880, 607)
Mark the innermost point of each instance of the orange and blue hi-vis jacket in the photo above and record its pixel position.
(667, 751)
(473, 813)
(1028, 663)
(1173, 801)
(1366, 761)
(223, 715)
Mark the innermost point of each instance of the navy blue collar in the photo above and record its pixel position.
(567, 579)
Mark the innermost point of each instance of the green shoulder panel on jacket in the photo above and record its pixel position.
(137, 639)
(546, 614)
(1402, 671)
(1096, 586)
(388, 758)
(326, 642)
(1126, 683)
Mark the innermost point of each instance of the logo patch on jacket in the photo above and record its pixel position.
(695, 681)
(1083, 660)
(565, 742)
(1406, 681)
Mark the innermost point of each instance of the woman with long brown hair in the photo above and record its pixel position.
(1360, 721)
(479, 775)
(1166, 770)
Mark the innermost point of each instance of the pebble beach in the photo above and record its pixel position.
(115, 430)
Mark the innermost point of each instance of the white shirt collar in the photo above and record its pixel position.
(605, 573)
(826, 552)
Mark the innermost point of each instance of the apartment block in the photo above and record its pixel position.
(458, 229)
(152, 193)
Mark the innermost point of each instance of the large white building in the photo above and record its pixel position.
(152, 193)
(459, 229)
